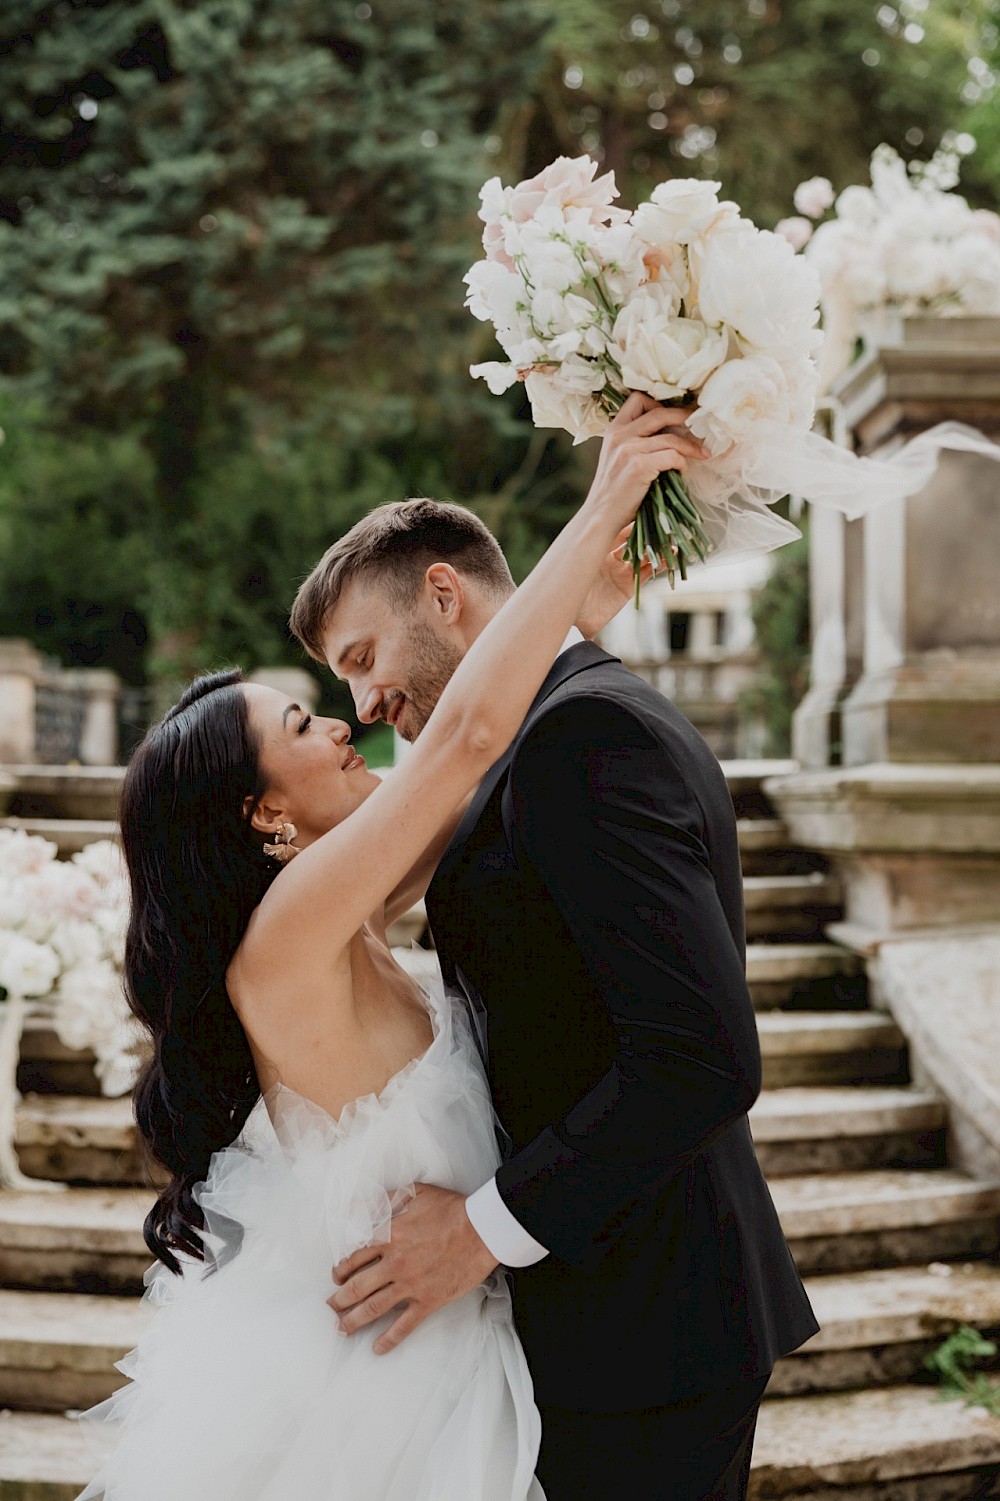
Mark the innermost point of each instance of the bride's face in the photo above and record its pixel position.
(314, 776)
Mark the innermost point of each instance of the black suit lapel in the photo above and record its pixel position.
(575, 659)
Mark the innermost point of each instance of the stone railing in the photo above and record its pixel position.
(899, 734)
(52, 717)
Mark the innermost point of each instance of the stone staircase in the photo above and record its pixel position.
(897, 1248)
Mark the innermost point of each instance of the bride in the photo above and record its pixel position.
(260, 975)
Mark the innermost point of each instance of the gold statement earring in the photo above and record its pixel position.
(283, 850)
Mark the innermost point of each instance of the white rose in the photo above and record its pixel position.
(661, 354)
(753, 282)
(681, 211)
(739, 394)
(813, 197)
(27, 969)
(797, 231)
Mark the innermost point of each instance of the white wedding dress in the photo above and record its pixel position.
(244, 1389)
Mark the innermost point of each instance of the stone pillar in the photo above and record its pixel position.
(20, 668)
(930, 687)
(911, 821)
(101, 692)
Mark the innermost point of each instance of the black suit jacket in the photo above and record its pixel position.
(593, 897)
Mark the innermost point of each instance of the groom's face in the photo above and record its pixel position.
(396, 660)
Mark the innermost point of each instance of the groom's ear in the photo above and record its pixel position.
(445, 593)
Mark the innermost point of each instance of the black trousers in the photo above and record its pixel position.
(697, 1450)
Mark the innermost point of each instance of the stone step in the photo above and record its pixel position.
(746, 781)
(807, 975)
(846, 1129)
(79, 1140)
(830, 1047)
(81, 1240)
(58, 1350)
(43, 1458)
(767, 848)
(790, 907)
(48, 1066)
(841, 1222)
(897, 1444)
(877, 1328)
(70, 835)
(73, 792)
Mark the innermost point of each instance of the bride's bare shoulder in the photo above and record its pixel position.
(270, 976)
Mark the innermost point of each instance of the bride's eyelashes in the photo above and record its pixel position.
(304, 725)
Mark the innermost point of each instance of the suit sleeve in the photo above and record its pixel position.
(601, 813)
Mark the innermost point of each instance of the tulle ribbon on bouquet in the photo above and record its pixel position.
(734, 491)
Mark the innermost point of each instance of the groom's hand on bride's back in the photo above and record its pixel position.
(433, 1257)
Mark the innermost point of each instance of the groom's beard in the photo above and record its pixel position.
(431, 665)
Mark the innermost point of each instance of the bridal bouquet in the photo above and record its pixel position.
(684, 299)
(62, 934)
(908, 244)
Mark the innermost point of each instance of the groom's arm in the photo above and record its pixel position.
(602, 815)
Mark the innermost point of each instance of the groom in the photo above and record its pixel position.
(592, 896)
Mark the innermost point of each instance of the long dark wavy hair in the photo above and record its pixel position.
(197, 870)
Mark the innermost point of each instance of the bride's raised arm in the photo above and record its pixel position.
(333, 886)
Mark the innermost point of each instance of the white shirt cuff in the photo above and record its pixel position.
(499, 1231)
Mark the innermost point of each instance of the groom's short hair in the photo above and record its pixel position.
(395, 545)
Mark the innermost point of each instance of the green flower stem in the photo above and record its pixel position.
(668, 532)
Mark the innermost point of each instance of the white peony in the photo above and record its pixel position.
(813, 197)
(681, 211)
(27, 969)
(754, 282)
(660, 353)
(739, 394)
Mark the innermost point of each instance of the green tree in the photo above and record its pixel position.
(215, 217)
(761, 93)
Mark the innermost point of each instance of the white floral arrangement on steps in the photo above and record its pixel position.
(62, 935)
(908, 244)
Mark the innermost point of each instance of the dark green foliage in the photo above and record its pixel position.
(232, 235)
(953, 1363)
(781, 621)
(757, 92)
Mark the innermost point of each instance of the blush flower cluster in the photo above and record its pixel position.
(62, 935)
(683, 299)
(907, 244)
